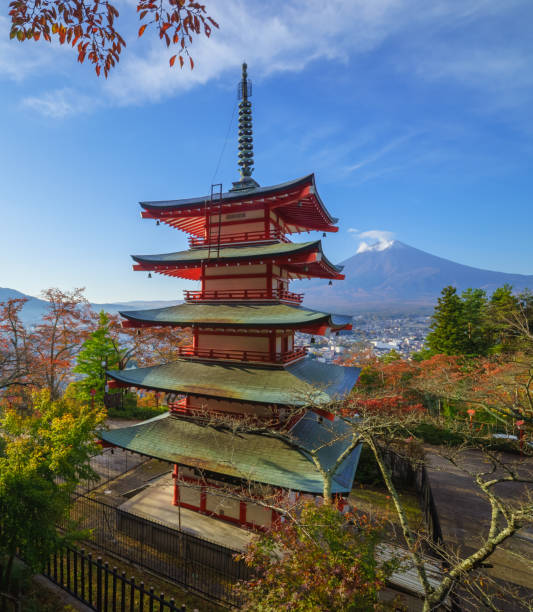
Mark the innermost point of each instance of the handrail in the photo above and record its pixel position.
(276, 234)
(243, 294)
(239, 355)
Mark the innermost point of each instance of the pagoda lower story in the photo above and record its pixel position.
(247, 406)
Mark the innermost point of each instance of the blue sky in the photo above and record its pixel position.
(415, 116)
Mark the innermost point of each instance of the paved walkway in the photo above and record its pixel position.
(464, 514)
(155, 503)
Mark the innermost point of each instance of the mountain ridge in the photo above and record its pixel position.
(399, 276)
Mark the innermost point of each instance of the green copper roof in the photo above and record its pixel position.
(249, 456)
(239, 315)
(235, 253)
(299, 384)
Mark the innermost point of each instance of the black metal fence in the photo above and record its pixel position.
(197, 564)
(103, 588)
(108, 465)
(428, 506)
(408, 473)
(10, 603)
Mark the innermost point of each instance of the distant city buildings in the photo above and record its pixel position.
(404, 334)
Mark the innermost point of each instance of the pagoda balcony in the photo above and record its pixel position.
(241, 237)
(237, 355)
(243, 294)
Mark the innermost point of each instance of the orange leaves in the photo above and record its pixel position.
(89, 26)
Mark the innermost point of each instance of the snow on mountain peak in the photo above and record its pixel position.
(381, 245)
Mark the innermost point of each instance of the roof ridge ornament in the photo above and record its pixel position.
(246, 140)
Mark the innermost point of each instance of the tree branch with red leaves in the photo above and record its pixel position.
(89, 26)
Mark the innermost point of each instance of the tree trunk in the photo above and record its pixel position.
(406, 530)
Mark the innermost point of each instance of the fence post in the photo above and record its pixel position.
(99, 583)
(106, 586)
(151, 600)
(141, 597)
(114, 590)
(132, 594)
(90, 584)
(82, 559)
(68, 570)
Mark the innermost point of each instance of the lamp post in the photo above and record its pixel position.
(519, 425)
(106, 386)
(471, 412)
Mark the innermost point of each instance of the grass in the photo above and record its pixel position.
(136, 412)
(374, 500)
(35, 595)
(160, 585)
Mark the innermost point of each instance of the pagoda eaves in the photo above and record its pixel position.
(247, 315)
(216, 450)
(305, 260)
(296, 202)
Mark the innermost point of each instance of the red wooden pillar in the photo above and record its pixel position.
(267, 222)
(175, 475)
(242, 513)
(195, 338)
(202, 277)
(272, 344)
(269, 279)
(203, 500)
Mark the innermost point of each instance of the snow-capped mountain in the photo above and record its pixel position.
(392, 275)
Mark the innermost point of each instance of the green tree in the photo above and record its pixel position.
(392, 355)
(42, 459)
(99, 352)
(474, 331)
(447, 334)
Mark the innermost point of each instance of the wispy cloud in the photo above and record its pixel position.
(60, 103)
(379, 153)
(19, 61)
(277, 37)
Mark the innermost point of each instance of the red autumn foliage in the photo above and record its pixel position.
(89, 26)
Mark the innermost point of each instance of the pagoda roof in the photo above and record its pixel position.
(187, 264)
(297, 202)
(249, 456)
(301, 383)
(270, 315)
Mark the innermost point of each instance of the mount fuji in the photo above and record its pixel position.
(395, 277)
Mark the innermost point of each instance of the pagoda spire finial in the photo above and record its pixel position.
(246, 140)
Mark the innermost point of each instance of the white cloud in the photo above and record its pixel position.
(288, 36)
(378, 240)
(60, 103)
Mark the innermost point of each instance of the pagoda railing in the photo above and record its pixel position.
(243, 294)
(226, 239)
(238, 355)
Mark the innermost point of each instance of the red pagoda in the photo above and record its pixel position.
(243, 363)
